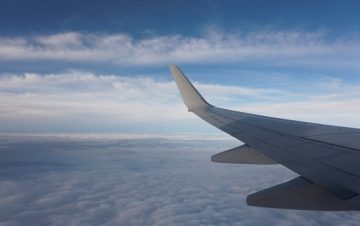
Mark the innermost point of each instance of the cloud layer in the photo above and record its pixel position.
(269, 47)
(81, 101)
(56, 181)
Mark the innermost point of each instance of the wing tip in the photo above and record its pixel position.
(192, 98)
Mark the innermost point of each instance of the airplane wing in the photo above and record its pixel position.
(327, 158)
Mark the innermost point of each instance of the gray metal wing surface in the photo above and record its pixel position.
(327, 158)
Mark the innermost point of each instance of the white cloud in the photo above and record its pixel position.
(326, 111)
(56, 100)
(139, 182)
(274, 47)
(81, 101)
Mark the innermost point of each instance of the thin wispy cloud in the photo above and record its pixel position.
(274, 47)
(99, 99)
(78, 101)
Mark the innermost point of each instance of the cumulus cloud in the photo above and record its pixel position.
(273, 47)
(138, 182)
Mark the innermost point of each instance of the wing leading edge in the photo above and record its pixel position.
(325, 157)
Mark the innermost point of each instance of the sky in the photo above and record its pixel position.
(94, 131)
(101, 67)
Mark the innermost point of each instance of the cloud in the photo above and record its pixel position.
(269, 47)
(79, 95)
(139, 182)
(326, 111)
(41, 101)
(81, 101)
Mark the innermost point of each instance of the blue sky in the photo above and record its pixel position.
(141, 18)
(90, 66)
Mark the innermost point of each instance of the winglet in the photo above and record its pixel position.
(191, 97)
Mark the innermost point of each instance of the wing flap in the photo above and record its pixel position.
(299, 194)
(242, 155)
